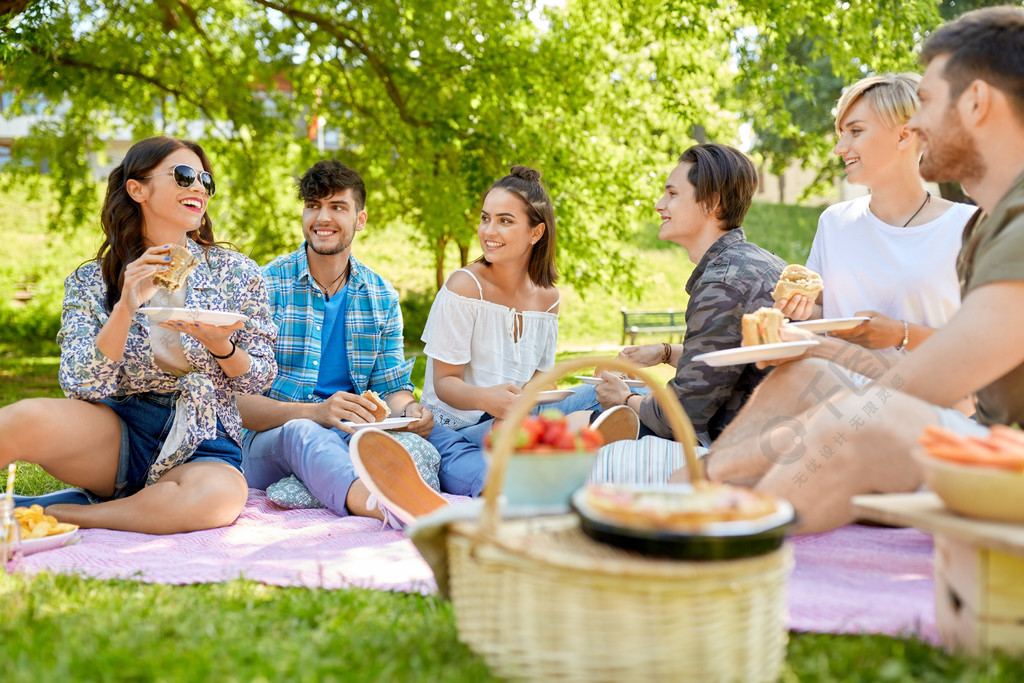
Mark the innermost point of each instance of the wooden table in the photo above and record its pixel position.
(979, 570)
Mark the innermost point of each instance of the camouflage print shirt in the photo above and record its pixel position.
(734, 277)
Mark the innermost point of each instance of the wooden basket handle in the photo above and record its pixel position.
(681, 427)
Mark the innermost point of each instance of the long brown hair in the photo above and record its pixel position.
(524, 182)
(121, 216)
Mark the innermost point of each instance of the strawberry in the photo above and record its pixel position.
(566, 441)
(592, 439)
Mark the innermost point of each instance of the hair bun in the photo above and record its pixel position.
(526, 173)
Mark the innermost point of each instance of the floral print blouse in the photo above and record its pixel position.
(224, 281)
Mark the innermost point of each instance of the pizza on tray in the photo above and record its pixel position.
(678, 510)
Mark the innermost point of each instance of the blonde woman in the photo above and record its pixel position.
(890, 255)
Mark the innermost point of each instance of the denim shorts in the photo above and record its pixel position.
(145, 422)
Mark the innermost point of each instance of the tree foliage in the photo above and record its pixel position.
(432, 101)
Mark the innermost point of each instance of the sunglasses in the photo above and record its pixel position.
(185, 176)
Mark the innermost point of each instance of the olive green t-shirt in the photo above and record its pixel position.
(993, 251)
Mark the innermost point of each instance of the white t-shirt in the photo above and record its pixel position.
(904, 273)
(479, 335)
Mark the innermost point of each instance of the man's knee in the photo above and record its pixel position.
(300, 433)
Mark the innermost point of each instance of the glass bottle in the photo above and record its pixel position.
(10, 533)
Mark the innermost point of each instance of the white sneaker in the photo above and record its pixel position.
(390, 521)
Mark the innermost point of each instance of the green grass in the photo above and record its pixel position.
(63, 628)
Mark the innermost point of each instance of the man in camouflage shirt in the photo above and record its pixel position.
(706, 198)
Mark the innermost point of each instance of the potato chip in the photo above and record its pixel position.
(35, 523)
(38, 531)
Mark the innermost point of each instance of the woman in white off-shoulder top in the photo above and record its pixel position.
(495, 323)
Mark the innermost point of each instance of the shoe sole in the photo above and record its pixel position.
(620, 423)
(388, 471)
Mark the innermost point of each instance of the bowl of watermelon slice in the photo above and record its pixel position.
(981, 477)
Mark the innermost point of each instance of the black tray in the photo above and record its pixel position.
(724, 541)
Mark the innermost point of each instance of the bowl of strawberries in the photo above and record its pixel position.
(549, 461)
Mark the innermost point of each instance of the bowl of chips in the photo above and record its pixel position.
(40, 531)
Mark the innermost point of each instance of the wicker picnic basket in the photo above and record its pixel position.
(539, 600)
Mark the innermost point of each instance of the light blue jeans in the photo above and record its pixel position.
(584, 397)
(319, 457)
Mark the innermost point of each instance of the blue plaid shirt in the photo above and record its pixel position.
(373, 328)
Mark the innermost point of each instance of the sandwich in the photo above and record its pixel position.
(762, 327)
(381, 409)
(174, 275)
(798, 280)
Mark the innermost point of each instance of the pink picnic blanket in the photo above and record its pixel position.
(861, 579)
(852, 580)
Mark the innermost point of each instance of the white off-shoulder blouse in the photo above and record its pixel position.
(481, 335)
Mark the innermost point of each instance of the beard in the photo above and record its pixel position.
(329, 251)
(951, 156)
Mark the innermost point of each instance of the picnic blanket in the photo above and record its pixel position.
(855, 579)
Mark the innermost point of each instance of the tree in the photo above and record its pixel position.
(432, 101)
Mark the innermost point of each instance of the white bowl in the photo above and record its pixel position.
(546, 481)
(974, 490)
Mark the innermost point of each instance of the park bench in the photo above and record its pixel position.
(653, 322)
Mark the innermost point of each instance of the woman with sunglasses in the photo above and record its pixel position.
(150, 429)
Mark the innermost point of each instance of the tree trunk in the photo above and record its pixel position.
(464, 255)
(13, 7)
(954, 193)
(782, 187)
(439, 247)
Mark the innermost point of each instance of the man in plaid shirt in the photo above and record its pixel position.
(339, 334)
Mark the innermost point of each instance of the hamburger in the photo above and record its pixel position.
(796, 279)
(762, 327)
(381, 409)
(173, 276)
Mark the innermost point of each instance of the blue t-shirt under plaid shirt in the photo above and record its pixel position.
(373, 330)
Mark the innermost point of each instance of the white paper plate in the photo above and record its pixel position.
(753, 354)
(390, 423)
(30, 546)
(830, 324)
(553, 396)
(632, 383)
(192, 315)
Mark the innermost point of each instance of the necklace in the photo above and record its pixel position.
(927, 196)
(327, 289)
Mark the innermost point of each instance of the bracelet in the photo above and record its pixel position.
(630, 395)
(906, 336)
(233, 347)
(667, 356)
(405, 410)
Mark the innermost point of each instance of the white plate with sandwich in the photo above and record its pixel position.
(192, 315)
(761, 341)
(753, 354)
(823, 325)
